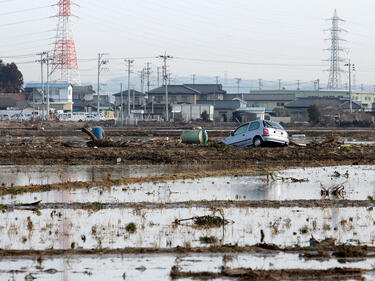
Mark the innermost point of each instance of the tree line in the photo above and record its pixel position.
(11, 79)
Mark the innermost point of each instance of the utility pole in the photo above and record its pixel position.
(238, 80)
(133, 98)
(122, 105)
(298, 84)
(217, 79)
(129, 62)
(101, 62)
(47, 54)
(318, 84)
(148, 73)
(260, 84)
(193, 78)
(165, 57)
(279, 84)
(351, 68)
(42, 61)
(158, 75)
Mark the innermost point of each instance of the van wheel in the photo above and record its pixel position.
(257, 142)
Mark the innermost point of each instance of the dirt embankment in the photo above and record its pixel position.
(173, 152)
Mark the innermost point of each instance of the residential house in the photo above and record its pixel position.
(328, 107)
(364, 99)
(136, 98)
(269, 101)
(177, 94)
(209, 91)
(224, 109)
(83, 97)
(60, 95)
(105, 103)
(13, 101)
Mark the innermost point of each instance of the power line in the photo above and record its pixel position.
(250, 63)
(24, 21)
(24, 10)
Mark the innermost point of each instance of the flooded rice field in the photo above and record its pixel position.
(351, 183)
(294, 224)
(177, 227)
(158, 267)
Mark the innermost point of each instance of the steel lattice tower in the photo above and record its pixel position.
(335, 70)
(64, 60)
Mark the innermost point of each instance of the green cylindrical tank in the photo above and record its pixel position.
(195, 137)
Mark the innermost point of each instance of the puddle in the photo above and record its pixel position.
(155, 266)
(155, 228)
(358, 183)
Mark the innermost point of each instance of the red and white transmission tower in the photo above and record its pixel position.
(64, 60)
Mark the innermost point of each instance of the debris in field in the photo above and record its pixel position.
(313, 241)
(262, 236)
(274, 177)
(277, 274)
(345, 251)
(141, 268)
(195, 137)
(266, 246)
(131, 227)
(205, 221)
(336, 191)
(208, 239)
(209, 221)
(31, 204)
(29, 277)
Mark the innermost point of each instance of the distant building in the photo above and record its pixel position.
(208, 91)
(136, 98)
(13, 101)
(177, 94)
(191, 112)
(269, 101)
(60, 95)
(327, 106)
(224, 109)
(83, 93)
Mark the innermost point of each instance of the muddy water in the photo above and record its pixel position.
(87, 229)
(154, 267)
(39, 175)
(358, 183)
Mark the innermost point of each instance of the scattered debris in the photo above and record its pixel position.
(336, 191)
(208, 239)
(131, 227)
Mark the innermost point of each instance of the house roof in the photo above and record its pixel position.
(83, 89)
(8, 102)
(175, 90)
(307, 102)
(125, 93)
(262, 97)
(222, 104)
(51, 85)
(207, 88)
(301, 103)
(346, 105)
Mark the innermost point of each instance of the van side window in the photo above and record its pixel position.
(241, 130)
(254, 126)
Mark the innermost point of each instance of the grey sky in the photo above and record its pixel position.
(266, 32)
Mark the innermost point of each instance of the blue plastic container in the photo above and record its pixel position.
(98, 132)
